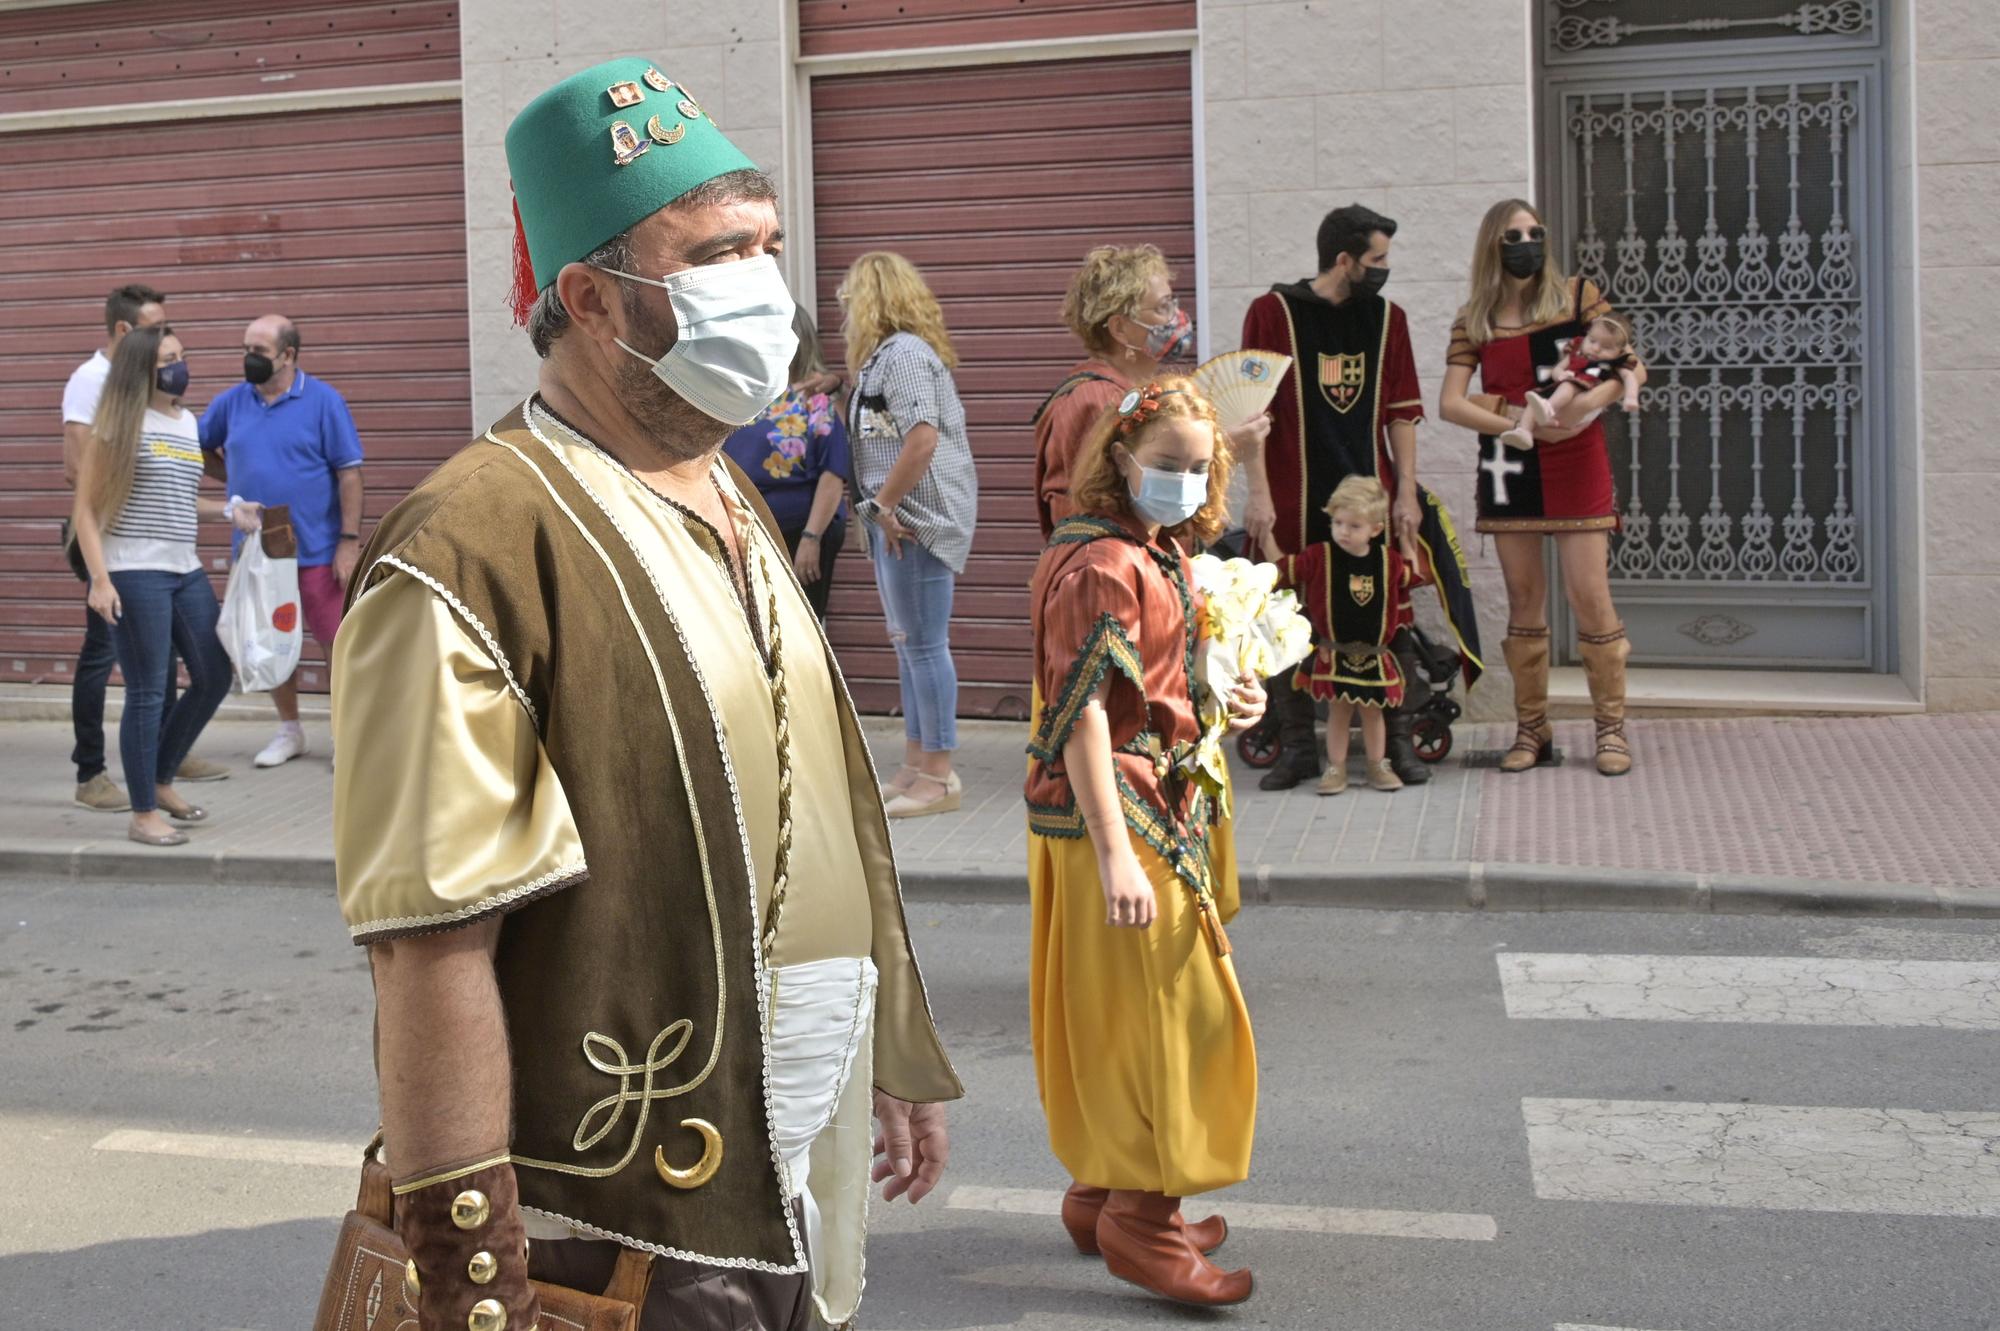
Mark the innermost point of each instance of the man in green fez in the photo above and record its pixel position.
(604, 817)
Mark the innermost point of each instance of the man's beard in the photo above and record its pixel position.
(675, 426)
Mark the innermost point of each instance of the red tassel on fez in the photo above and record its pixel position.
(521, 298)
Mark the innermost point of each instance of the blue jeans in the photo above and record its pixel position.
(86, 695)
(94, 665)
(916, 600)
(162, 613)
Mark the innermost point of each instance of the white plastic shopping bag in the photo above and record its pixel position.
(260, 619)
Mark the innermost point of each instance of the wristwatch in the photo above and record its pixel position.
(811, 535)
(869, 510)
(350, 536)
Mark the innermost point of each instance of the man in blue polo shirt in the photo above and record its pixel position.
(284, 437)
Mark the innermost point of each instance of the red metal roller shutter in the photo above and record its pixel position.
(956, 170)
(351, 221)
(844, 27)
(91, 54)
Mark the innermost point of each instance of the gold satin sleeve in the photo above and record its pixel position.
(445, 808)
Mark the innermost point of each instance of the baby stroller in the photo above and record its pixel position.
(1429, 670)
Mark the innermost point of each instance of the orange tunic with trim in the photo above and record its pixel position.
(1112, 608)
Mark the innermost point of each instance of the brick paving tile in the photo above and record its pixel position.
(1904, 799)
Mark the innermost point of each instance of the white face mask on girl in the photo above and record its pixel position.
(1169, 497)
(734, 354)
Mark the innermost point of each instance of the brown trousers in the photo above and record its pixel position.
(684, 1295)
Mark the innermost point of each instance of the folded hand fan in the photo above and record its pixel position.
(1241, 384)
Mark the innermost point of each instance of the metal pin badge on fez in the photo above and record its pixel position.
(689, 106)
(657, 81)
(659, 133)
(626, 145)
(626, 93)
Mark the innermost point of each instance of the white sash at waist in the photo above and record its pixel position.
(823, 1016)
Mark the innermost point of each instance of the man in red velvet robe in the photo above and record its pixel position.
(1348, 406)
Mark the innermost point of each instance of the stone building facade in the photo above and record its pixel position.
(1429, 110)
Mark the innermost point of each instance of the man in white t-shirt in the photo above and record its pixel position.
(134, 305)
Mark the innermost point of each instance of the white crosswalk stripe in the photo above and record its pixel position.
(245, 1150)
(961, 1197)
(1256, 1215)
(1777, 1157)
(1805, 1158)
(1792, 991)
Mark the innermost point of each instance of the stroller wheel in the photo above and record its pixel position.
(1431, 737)
(1258, 746)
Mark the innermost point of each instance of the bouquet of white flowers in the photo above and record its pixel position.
(1251, 628)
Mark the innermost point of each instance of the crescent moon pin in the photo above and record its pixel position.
(703, 1169)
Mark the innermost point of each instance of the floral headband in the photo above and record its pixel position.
(1141, 405)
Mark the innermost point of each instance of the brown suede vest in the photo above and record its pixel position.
(613, 986)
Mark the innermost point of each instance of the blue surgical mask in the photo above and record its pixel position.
(172, 379)
(1169, 497)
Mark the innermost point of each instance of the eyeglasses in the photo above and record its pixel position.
(1514, 235)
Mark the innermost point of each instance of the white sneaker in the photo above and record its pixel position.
(286, 745)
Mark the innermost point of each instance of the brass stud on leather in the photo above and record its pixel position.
(486, 1315)
(482, 1268)
(470, 1209)
(410, 1282)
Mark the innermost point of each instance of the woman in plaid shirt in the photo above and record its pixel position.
(919, 498)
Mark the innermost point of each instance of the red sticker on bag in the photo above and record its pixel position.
(286, 617)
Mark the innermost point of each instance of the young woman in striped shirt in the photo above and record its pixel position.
(135, 519)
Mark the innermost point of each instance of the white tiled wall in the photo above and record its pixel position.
(1419, 109)
(1957, 172)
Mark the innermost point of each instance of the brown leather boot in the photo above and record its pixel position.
(1604, 666)
(1144, 1242)
(1527, 653)
(1081, 1205)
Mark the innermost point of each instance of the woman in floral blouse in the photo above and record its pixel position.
(796, 453)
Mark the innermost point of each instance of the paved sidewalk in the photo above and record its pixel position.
(1856, 814)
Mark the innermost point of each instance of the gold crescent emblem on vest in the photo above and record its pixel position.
(703, 1169)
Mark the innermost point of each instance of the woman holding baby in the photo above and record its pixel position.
(1521, 325)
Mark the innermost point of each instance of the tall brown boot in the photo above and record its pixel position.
(1604, 666)
(1082, 1204)
(1527, 653)
(1144, 1243)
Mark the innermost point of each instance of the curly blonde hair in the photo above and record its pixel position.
(883, 295)
(1112, 281)
(1097, 486)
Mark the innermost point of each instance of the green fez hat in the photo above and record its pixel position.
(598, 153)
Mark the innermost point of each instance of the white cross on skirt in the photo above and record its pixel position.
(1500, 467)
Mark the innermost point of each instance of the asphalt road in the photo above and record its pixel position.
(1811, 1140)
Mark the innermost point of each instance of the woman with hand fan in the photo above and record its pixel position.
(1121, 306)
